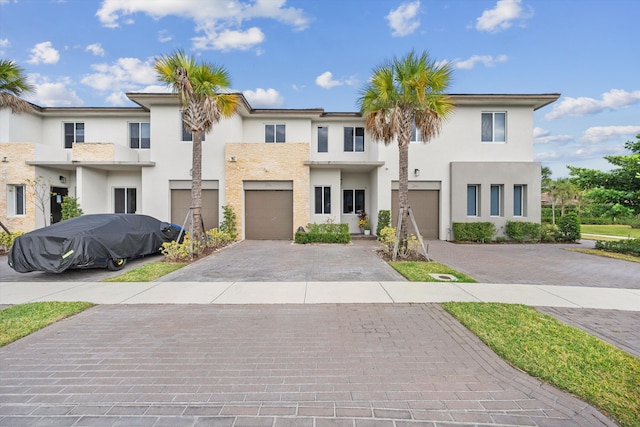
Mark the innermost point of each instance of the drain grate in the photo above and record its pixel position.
(444, 277)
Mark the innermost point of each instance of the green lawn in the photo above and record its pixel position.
(419, 271)
(148, 272)
(20, 320)
(609, 230)
(566, 357)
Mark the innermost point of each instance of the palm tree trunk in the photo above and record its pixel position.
(196, 188)
(403, 190)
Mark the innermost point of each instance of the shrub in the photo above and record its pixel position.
(569, 228)
(630, 246)
(328, 232)
(6, 240)
(549, 233)
(187, 250)
(216, 239)
(521, 231)
(384, 220)
(473, 231)
(410, 250)
(70, 208)
(228, 225)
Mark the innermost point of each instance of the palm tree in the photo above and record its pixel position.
(13, 85)
(205, 100)
(402, 93)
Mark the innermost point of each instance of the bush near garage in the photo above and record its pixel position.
(384, 220)
(569, 228)
(213, 240)
(629, 247)
(521, 231)
(6, 240)
(327, 232)
(473, 231)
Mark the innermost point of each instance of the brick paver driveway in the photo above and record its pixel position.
(321, 365)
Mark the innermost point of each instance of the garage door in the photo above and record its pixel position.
(268, 214)
(426, 210)
(181, 202)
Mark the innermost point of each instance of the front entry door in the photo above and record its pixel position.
(57, 193)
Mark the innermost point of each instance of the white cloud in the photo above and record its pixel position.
(229, 40)
(96, 49)
(402, 20)
(326, 81)
(598, 134)
(164, 36)
(126, 74)
(486, 60)
(502, 16)
(264, 98)
(612, 100)
(4, 43)
(542, 136)
(220, 21)
(44, 53)
(54, 93)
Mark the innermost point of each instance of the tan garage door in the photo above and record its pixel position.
(181, 202)
(426, 210)
(268, 214)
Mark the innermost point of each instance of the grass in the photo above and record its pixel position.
(598, 252)
(609, 230)
(21, 320)
(148, 272)
(419, 271)
(566, 357)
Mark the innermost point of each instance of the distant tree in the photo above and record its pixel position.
(620, 186)
(14, 85)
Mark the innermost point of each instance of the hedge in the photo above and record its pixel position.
(473, 231)
(521, 231)
(630, 246)
(324, 233)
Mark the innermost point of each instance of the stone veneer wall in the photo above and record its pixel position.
(93, 152)
(267, 162)
(16, 171)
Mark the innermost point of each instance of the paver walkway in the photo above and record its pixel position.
(319, 365)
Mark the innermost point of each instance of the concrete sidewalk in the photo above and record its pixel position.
(318, 293)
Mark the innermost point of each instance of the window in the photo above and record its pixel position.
(187, 135)
(519, 197)
(353, 139)
(472, 200)
(16, 200)
(323, 200)
(494, 127)
(139, 135)
(323, 139)
(124, 200)
(73, 132)
(274, 133)
(416, 135)
(496, 200)
(352, 201)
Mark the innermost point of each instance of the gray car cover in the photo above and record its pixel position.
(87, 240)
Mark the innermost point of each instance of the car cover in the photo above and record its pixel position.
(82, 241)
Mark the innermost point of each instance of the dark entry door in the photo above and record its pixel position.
(57, 193)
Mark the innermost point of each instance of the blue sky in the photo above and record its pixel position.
(311, 53)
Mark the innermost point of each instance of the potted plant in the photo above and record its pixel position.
(363, 220)
(367, 226)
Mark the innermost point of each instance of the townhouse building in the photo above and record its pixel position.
(277, 168)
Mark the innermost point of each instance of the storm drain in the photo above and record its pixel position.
(444, 277)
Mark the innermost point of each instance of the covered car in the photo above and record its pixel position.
(88, 241)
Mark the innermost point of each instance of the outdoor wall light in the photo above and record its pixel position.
(63, 179)
(5, 159)
(416, 172)
(232, 159)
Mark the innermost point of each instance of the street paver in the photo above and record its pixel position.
(271, 365)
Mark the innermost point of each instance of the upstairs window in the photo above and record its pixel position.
(353, 139)
(494, 127)
(416, 135)
(274, 133)
(323, 139)
(187, 135)
(73, 132)
(139, 135)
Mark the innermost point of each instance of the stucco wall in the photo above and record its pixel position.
(267, 162)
